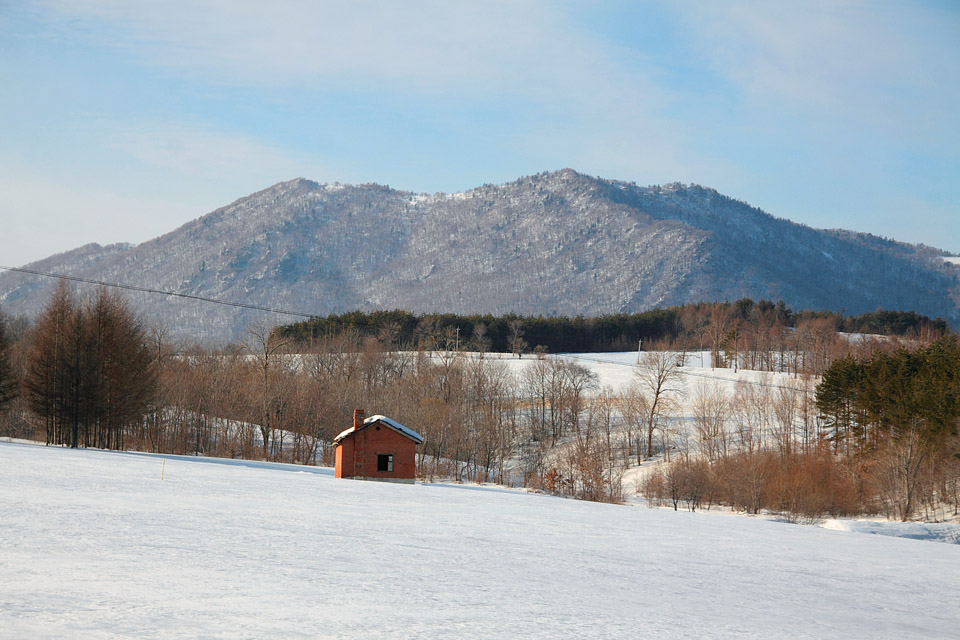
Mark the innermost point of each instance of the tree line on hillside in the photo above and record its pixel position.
(91, 373)
(508, 333)
(513, 333)
(88, 373)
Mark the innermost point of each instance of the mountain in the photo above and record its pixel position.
(552, 243)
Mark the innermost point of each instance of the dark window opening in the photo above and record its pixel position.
(385, 462)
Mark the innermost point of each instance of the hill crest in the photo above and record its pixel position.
(558, 242)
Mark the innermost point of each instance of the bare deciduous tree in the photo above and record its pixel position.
(710, 408)
(786, 404)
(634, 410)
(658, 376)
(90, 372)
(8, 382)
(480, 342)
(266, 350)
(518, 346)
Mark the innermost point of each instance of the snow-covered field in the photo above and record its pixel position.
(937, 531)
(617, 370)
(94, 545)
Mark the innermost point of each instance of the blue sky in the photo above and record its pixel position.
(121, 120)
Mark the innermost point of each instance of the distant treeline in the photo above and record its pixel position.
(618, 332)
(496, 333)
(891, 323)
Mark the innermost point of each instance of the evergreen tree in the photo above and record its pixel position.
(893, 394)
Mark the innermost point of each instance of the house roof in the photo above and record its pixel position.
(393, 424)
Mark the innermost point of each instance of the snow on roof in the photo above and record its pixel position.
(393, 424)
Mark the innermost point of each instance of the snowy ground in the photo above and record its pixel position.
(936, 531)
(617, 370)
(94, 545)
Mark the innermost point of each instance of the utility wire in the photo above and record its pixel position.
(130, 287)
(241, 305)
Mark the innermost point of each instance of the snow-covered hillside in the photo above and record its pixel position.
(556, 243)
(617, 370)
(95, 545)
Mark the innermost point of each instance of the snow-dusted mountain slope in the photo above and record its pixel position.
(95, 545)
(553, 243)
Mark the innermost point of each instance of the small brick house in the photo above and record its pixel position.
(377, 448)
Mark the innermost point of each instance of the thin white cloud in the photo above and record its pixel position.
(502, 44)
(821, 70)
(528, 54)
(889, 66)
(43, 216)
(196, 150)
(202, 168)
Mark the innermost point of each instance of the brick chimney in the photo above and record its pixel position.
(357, 418)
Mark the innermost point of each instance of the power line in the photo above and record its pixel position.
(241, 305)
(130, 287)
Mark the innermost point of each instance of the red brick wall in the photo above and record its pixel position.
(344, 460)
(373, 440)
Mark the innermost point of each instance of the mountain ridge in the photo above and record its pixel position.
(551, 243)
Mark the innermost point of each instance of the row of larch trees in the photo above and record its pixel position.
(90, 374)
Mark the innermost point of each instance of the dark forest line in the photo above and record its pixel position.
(617, 332)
